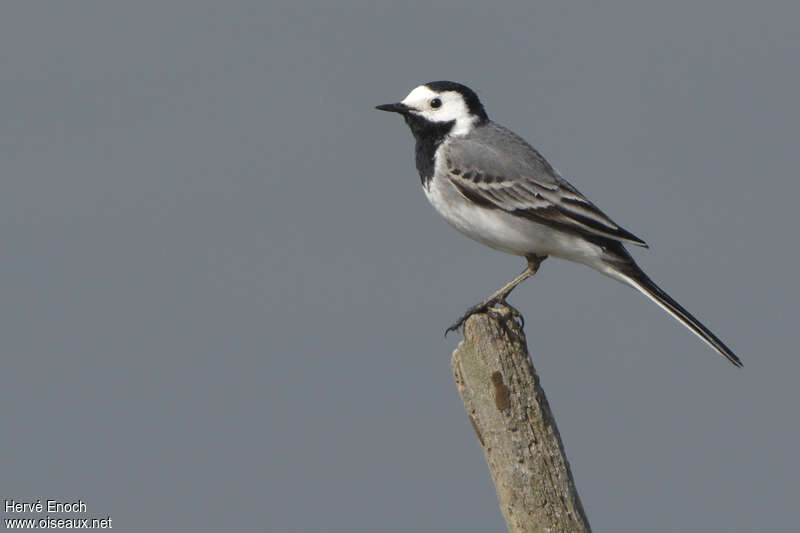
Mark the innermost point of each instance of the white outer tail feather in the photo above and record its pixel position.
(642, 283)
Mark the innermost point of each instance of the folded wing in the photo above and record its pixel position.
(496, 168)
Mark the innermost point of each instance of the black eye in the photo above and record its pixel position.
(436, 103)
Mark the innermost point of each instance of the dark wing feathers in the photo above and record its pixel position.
(494, 167)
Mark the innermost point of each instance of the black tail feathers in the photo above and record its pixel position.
(644, 284)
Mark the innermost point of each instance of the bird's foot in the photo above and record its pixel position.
(514, 312)
(488, 307)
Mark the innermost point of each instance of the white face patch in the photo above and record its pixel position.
(453, 108)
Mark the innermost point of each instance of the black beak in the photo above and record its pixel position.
(394, 108)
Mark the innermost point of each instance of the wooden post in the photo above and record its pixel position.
(516, 429)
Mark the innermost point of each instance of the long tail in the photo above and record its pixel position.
(640, 281)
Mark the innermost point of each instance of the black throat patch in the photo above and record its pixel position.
(429, 136)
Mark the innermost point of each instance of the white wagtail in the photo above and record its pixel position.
(491, 185)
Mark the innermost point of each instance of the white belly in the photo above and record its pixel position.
(505, 232)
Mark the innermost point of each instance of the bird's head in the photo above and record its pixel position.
(440, 106)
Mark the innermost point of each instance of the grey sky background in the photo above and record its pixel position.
(224, 292)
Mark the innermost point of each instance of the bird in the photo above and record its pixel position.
(497, 189)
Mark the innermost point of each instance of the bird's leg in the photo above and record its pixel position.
(499, 296)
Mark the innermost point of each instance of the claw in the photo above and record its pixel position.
(485, 307)
(514, 312)
(480, 308)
